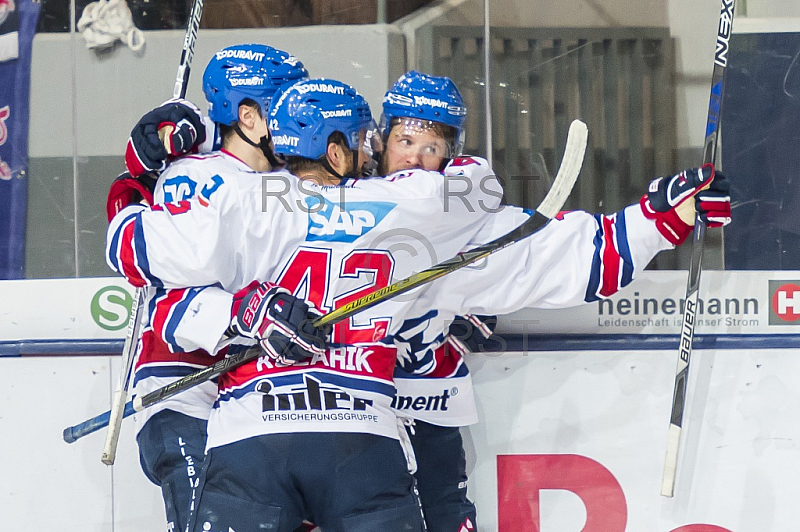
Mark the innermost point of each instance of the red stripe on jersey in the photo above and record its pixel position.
(611, 259)
(163, 309)
(373, 361)
(447, 360)
(127, 256)
(155, 351)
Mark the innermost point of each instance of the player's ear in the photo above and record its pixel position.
(247, 115)
(335, 154)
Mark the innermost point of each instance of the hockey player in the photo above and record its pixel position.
(328, 247)
(421, 126)
(418, 142)
(359, 442)
(238, 83)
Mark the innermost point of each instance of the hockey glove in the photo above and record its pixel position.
(469, 333)
(280, 322)
(127, 189)
(672, 202)
(174, 128)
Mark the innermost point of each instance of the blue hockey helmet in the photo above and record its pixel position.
(425, 98)
(304, 115)
(253, 71)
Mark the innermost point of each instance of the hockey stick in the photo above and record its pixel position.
(118, 405)
(565, 179)
(690, 309)
(552, 203)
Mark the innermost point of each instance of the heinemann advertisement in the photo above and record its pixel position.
(730, 303)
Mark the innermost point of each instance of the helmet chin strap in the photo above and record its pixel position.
(352, 173)
(263, 145)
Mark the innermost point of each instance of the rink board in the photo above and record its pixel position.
(571, 438)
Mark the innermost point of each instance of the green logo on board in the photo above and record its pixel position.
(111, 308)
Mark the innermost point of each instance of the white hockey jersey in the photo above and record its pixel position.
(331, 245)
(172, 346)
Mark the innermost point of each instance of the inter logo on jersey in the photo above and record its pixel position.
(343, 222)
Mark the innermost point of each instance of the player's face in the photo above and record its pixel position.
(413, 147)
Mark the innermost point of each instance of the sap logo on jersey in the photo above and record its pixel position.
(178, 188)
(334, 223)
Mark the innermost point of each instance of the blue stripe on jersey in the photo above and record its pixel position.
(178, 311)
(400, 373)
(166, 371)
(141, 252)
(624, 249)
(594, 274)
(113, 249)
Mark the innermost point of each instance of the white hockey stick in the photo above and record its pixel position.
(121, 394)
(690, 310)
(118, 410)
(565, 179)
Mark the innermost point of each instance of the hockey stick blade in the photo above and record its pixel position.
(76, 432)
(565, 179)
(693, 284)
(568, 172)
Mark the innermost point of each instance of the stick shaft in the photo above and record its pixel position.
(565, 180)
(121, 393)
(131, 340)
(552, 203)
(692, 289)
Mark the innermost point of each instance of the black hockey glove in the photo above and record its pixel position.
(673, 201)
(281, 323)
(174, 128)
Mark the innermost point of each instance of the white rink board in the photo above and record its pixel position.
(594, 422)
(739, 456)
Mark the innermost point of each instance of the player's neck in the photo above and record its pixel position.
(319, 177)
(249, 155)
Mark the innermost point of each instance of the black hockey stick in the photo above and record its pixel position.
(549, 207)
(690, 310)
(118, 405)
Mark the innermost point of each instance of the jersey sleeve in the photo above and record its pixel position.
(188, 243)
(187, 319)
(576, 258)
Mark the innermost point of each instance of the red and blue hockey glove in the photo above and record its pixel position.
(127, 189)
(281, 323)
(672, 202)
(172, 129)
